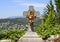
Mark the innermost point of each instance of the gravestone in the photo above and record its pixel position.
(31, 14)
(31, 36)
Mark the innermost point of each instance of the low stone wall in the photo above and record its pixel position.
(5, 40)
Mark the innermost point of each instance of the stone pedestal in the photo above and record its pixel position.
(30, 37)
(29, 28)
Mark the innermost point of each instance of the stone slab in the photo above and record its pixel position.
(30, 37)
(31, 40)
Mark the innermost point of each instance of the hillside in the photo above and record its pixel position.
(9, 23)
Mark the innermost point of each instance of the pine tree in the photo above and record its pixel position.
(51, 13)
(49, 9)
(46, 28)
(57, 2)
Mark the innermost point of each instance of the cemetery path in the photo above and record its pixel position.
(30, 37)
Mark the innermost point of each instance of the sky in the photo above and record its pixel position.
(10, 8)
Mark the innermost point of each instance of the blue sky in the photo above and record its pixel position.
(9, 8)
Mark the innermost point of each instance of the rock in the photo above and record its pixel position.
(57, 40)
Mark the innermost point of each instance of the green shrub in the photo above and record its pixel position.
(14, 35)
(47, 31)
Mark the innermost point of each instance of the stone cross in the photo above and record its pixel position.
(31, 14)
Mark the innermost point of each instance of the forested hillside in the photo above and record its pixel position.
(9, 23)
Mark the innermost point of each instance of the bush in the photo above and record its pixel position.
(47, 32)
(14, 35)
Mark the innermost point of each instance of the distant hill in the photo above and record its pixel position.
(19, 20)
(12, 17)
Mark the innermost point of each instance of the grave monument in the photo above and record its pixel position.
(31, 36)
(31, 14)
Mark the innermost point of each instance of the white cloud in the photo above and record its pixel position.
(35, 4)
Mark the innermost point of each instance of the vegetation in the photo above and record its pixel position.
(14, 28)
(49, 26)
(14, 35)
